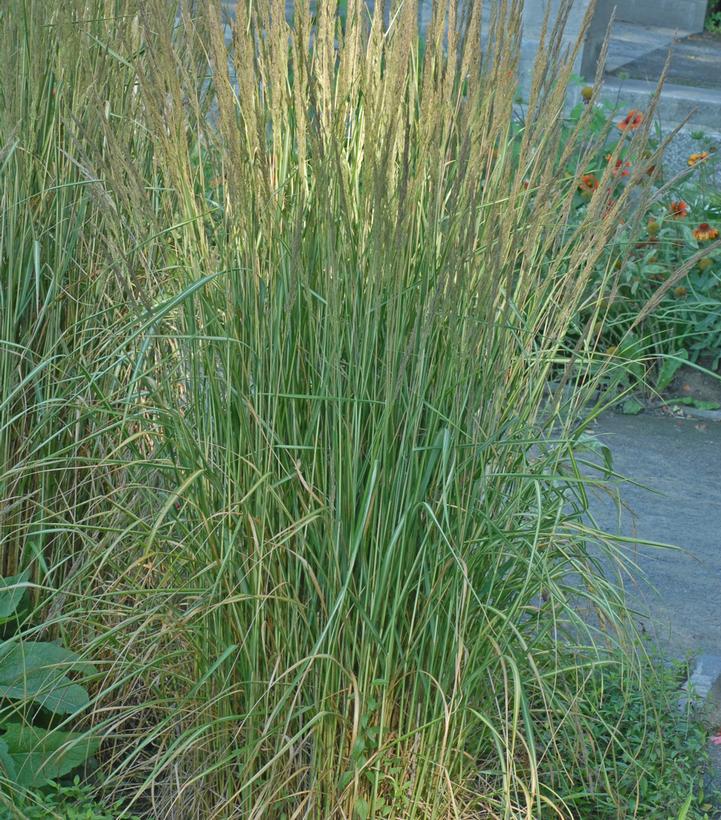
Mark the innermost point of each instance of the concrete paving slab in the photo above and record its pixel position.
(679, 461)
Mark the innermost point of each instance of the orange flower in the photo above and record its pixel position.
(700, 157)
(678, 209)
(705, 232)
(631, 121)
(621, 168)
(588, 184)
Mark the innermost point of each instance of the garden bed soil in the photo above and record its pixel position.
(703, 387)
(689, 381)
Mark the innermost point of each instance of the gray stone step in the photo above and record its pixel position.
(630, 41)
(705, 684)
(694, 60)
(688, 14)
(702, 106)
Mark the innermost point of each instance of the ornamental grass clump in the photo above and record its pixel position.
(283, 311)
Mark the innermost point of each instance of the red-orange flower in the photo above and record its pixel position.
(700, 157)
(705, 232)
(631, 121)
(678, 209)
(588, 184)
(621, 167)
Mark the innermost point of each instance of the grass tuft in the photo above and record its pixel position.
(275, 436)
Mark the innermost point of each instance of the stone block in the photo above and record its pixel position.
(534, 12)
(705, 684)
(677, 103)
(682, 14)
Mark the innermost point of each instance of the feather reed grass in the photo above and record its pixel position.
(279, 313)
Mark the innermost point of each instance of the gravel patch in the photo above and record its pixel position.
(688, 141)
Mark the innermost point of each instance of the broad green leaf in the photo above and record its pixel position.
(7, 763)
(587, 441)
(669, 367)
(631, 407)
(684, 810)
(345, 779)
(40, 755)
(700, 404)
(11, 593)
(36, 671)
(632, 353)
(361, 809)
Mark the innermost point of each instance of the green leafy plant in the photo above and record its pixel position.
(713, 22)
(70, 801)
(661, 291)
(34, 681)
(690, 401)
(664, 750)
